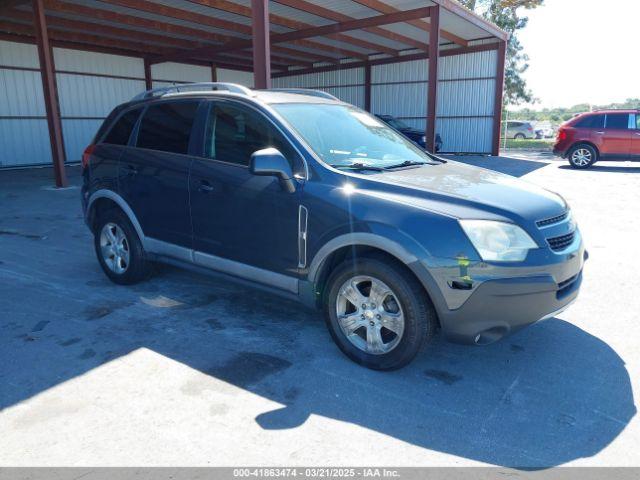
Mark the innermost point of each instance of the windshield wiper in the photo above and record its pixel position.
(358, 166)
(409, 163)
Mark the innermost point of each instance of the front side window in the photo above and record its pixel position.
(617, 121)
(234, 133)
(637, 118)
(167, 126)
(342, 135)
(121, 130)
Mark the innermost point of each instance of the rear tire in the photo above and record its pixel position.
(358, 324)
(519, 136)
(582, 156)
(119, 249)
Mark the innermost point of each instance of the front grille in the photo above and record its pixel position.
(552, 220)
(561, 242)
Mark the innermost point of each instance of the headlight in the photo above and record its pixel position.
(498, 241)
(423, 139)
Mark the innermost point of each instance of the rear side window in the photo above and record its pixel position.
(167, 126)
(617, 121)
(637, 121)
(121, 130)
(590, 121)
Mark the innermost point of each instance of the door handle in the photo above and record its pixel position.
(600, 133)
(205, 187)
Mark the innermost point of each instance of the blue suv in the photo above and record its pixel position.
(311, 198)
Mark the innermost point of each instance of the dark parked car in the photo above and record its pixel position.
(313, 199)
(415, 135)
(601, 135)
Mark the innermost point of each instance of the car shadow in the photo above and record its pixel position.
(516, 167)
(548, 395)
(602, 168)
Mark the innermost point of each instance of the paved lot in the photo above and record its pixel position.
(186, 370)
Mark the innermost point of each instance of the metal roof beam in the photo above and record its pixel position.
(228, 6)
(341, 17)
(209, 21)
(124, 20)
(383, 7)
(350, 25)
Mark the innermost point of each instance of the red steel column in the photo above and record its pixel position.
(148, 80)
(367, 87)
(47, 70)
(432, 94)
(261, 44)
(497, 108)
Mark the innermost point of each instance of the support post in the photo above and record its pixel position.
(497, 108)
(47, 70)
(261, 43)
(367, 87)
(432, 93)
(148, 80)
(214, 73)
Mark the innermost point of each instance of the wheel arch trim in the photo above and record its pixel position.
(358, 239)
(121, 202)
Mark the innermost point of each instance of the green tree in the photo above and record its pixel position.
(506, 14)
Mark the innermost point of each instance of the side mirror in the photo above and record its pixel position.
(270, 162)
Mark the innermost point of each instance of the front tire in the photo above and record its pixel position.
(119, 249)
(582, 156)
(377, 313)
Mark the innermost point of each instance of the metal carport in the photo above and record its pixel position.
(64, 64)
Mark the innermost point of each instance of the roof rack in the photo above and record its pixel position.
(185, 87)
(305, 91)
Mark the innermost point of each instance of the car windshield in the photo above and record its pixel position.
(398, 124)
(345, 136)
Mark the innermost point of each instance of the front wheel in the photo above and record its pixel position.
(582, 156)
(377, 313)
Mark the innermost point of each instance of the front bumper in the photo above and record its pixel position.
(499, 300)
(503, 306)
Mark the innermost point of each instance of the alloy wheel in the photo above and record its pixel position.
(114, 247)
(581, 157)
(369, 314)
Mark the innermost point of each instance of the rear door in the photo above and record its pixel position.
(614, 140)
(154, 175)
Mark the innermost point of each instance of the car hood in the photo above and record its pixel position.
(471, 192)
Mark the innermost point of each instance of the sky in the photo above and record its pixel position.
(583, 51)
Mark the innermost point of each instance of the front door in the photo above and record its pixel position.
(244, 224)
(635, 136)
(154, 174)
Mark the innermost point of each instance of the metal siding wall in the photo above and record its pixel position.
(347, 85)
(86, 97)
(235, 76)
(98, 63)
(465, 99)
(180, 72)
(24, 139)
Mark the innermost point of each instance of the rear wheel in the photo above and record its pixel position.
(119, 249)
(377, 313)
(582, 156)
(519, 136)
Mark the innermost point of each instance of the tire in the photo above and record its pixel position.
(133, 265)
(582, 156)
(405, 297)
(519, 136)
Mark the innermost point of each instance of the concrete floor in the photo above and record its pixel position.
(186, 370)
